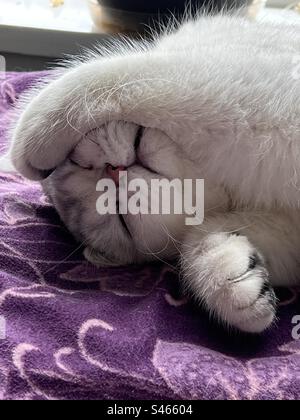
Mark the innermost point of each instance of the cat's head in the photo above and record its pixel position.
(141, 154)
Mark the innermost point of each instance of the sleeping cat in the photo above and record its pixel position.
(216, 99)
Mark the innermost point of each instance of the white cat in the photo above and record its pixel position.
(221, 101)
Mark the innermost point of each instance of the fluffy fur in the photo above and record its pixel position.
(220, 101)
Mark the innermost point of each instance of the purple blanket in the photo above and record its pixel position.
(71, 331)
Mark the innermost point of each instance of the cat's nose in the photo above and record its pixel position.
(114, 172)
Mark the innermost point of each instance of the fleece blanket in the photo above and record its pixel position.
(71, 331)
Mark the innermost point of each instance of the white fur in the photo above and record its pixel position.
(222, 89)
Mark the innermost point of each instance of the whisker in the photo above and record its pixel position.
(65, 259)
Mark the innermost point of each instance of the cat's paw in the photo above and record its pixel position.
(228, 275)
(73, 102)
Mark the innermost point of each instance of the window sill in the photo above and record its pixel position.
(35, 28)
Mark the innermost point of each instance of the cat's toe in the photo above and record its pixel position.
(229, 276)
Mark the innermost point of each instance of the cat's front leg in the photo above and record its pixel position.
(228, 275)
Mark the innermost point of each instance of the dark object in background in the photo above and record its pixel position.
(133, 14)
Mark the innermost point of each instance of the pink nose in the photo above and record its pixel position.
(114, 172)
